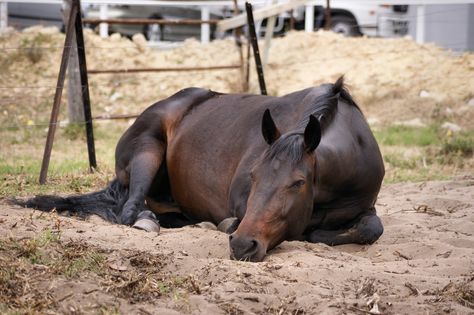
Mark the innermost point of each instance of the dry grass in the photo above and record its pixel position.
(462, 293)
(28, 264)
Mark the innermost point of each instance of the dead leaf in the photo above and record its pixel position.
(118, 267)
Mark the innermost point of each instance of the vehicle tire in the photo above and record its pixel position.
(345, 25)
(153, 32)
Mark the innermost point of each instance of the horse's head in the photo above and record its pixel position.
(280, 202)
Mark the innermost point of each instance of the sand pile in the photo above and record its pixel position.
(393, 79)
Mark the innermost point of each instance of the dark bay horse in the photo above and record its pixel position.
(302, 166)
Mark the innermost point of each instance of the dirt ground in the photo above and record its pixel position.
(423, 264)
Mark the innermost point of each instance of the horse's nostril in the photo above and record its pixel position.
(254, 244)
(243, 247)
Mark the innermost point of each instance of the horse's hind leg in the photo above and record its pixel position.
(142, 170)
(365, 231)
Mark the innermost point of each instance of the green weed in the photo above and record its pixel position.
(73, 268)
(408, 136)
(460, 145)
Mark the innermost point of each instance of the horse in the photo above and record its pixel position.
(303, 166)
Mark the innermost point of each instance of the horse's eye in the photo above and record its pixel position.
(298, 184)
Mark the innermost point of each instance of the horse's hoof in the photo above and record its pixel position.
(147, 225)
(206, 225)
(228, 225)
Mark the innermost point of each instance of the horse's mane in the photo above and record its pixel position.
(324, 106)
(290, 146)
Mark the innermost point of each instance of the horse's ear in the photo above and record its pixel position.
(269, 130)
(312, 134)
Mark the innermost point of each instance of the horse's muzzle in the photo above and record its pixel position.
(246, 248)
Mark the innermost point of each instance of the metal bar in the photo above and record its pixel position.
(81, 54)
(57, 96)
(420, 24)
(3, 16)
(115, 117)
(256, 53)
(103, 27)
(309, 19)
(205, 27)
(163, 69)
(150, 21)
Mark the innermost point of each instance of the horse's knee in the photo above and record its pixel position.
(229, 225)
(370, 229)
(123, 177)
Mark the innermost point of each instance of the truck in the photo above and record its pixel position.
(352, 18)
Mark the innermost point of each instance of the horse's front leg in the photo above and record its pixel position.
(143, 167)
(366, 230)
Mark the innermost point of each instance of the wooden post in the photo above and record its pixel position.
(327, 13)
(74, 25)
(292, 20)
(81, 53)
(256, 53)
(75, 108)
(57, 96)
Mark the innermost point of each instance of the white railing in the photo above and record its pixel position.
(206, 5)
(103, 29)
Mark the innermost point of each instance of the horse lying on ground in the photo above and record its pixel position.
(304, 166)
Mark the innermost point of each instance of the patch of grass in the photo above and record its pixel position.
(31, 249)
(74, 132)
(414, 175)
(74, 267)
(460, 292)
(461, 145)
(408, 136)
(69, 172)
(397, 161)
(105, 310)
(420, 154)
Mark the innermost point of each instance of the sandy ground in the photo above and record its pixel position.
(423, 263)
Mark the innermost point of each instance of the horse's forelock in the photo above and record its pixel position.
(290, 147)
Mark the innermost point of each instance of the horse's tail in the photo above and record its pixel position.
(106, 203)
